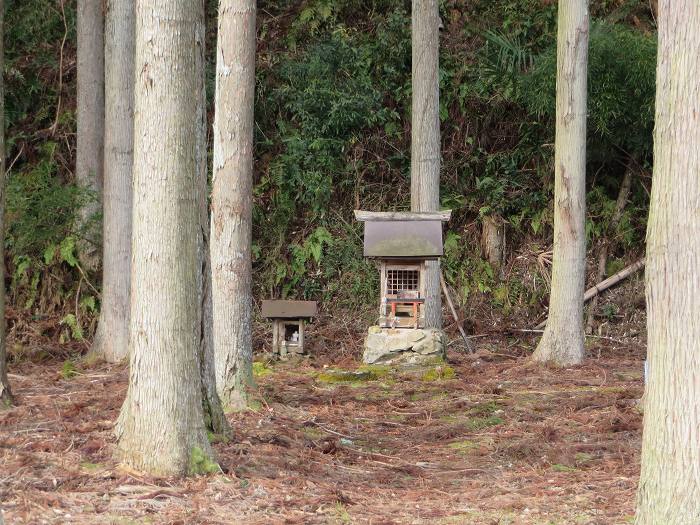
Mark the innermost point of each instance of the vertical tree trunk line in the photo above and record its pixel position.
(214, 417)
(161, 428)
(112, 337)
(563, 340)
(425, 133)
(5, 392)
(232, 186)
(669, 484)
(90, 122)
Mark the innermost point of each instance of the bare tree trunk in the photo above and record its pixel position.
(90, 117)
(622, 197)
(112, 338)
(669, 485)
(232, 200)
(493, 241)
(161, 429)
(425, 134)
(563, 340)
(214, 417)
(5, 392)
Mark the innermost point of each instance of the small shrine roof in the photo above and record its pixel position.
(418, 239)
(280, 309)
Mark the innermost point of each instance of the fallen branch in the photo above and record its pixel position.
(470, 349)
(622, 196)
(607, 283)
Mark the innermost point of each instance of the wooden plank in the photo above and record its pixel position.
(362, 215)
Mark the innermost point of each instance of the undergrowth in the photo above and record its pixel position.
(333, 98)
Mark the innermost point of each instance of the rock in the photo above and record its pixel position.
(404, 345)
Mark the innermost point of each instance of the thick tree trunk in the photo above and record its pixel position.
(231, 225)
(563, 340)
(112, 338)
(669, 485)
(214, 417)
(90, 117)
(161, 428)
(425, 133)
(5, 393)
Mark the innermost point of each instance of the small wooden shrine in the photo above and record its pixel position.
(288, 319)
(402, 242)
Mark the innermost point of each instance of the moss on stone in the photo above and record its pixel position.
(363, 374)
(377, 371)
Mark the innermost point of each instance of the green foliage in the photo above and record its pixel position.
(332, 133)
(34, 32)
(329, 97)
(261, 369)
(68, 370)
(76, 331)
(621, 87)
(201, 463)
(479, 423)
(42, 209)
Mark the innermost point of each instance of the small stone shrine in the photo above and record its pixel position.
(401, 243)
(288, 319)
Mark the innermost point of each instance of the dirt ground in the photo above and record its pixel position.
(489, 439)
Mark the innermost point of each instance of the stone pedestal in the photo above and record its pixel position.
(404, 346)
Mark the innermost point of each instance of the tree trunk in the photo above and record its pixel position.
(563, 340)
(90, 117)
(5, 393)
(214, 416)
(425, 134)
(669, 485)
(231, 226)
(161, 428)
(493, 241)
(112, 338)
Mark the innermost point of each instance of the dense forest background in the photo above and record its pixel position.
(332, 134)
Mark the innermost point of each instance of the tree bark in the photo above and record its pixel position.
(425, 134)
(5, 392)
(112, 338)
(161, 429)
(90, 123)
(493, 235)
(563, 340)
(232, 201)
(214, 416)
(669, 485)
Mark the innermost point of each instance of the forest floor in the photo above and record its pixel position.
(488, 439)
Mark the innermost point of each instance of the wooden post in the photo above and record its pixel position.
(301, 337)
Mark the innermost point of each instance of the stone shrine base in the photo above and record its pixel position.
(411, 346)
